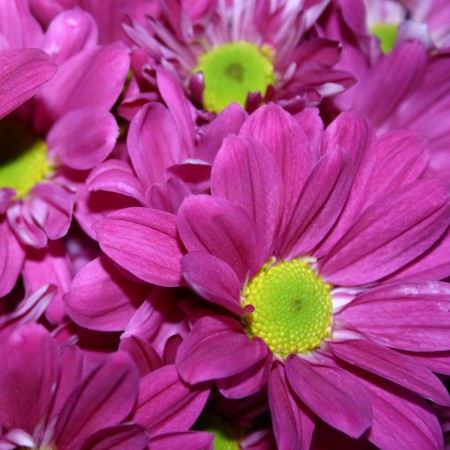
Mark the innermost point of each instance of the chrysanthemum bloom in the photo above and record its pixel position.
(49, 143)
(321, 245)
(49, 400)
(412, 78)
(244, 51)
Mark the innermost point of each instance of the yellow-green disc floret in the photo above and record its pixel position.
(292, 307)
(232, 70)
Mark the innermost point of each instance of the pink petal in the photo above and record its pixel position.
(116, 176)
(332, 393)
(100, 298)
(413, 316)
(279, 131)
(105, 398)
(28, 376)
(154, 143)
(69, 33)
(319, 205)
(229, 121)
(392, 365)
(213, 280)
(145, 242)
(436, 361)
(217, 348)
(311, 123)
(143, 354)
(83, 138)
(130, 436)
(166, 404)
(224, 229)
(51, 207)
(22, 73)
(401, 419)
(94, 76)
(389, 234)
(192, 440)
(11, 258)
(293, 422)
(246, 173)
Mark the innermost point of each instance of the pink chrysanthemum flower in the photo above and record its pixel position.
(49, 143)
(244, 51)
(322, 245)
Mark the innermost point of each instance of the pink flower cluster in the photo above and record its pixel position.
(224, 224)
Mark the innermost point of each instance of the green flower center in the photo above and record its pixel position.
(233, 70)
(387, 33)
(226, 436)
(23, 158)
(292, 307)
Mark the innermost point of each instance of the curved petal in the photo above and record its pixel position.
(333, 394)
(166, 404)
(145, 242)
(194, 440)
(393, 366)
(101, 298)
(213, 280)
(410, 316)
(389, 234)
(22, 72)
(105, 398)
(128, 435)
(246, 173)
(83, 138)
(293, 422)
(217, 348)
(224, 229)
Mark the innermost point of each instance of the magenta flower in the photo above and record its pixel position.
(322, 246)
(50, 142)
(245, 52)
(47, 400)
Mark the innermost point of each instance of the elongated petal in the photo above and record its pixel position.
(217, 348)
(393, 366)
(25, 228)
(391, 233)
(224, 229)
(22, 72)
(229, 121)
(166, 404)
(412, 316)
(143, 241)
(101, 298)
(143, 354)
(401, 419)
(195, 440)
(212, 279)
(11, 258)
(28, 377)
(246, 173)
(118, 438)
(333, 394)
(94, 76)
(319, 205)
(154, 143)
(105, 398)
(293, 422)
(284, 137)
(84, 137)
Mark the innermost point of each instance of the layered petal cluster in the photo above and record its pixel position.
(356, 209)
(298, 63)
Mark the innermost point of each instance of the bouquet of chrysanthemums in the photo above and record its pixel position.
(224, 224)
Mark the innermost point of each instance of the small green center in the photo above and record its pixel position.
(226, 436)
(23, 158)
(292, 307)
(233, 70)
(387, 33)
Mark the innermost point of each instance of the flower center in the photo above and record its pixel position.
(23, 158)
(233, 70)
(292, 307)
(387, 33)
